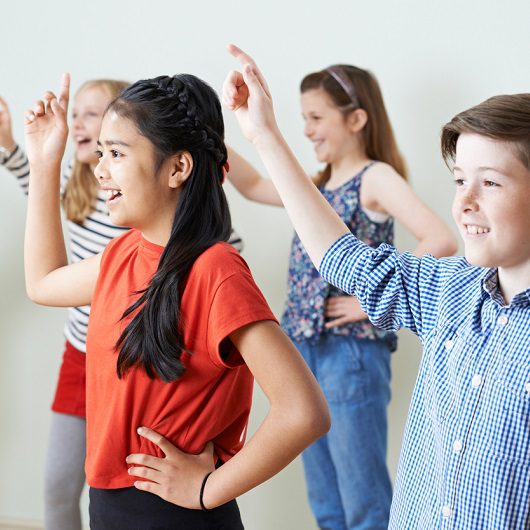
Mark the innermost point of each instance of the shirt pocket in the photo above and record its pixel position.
(447, 351)
(507, 406)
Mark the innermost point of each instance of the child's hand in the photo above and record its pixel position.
(46, 128)
(6, 133)
(249, 97)
(343, 309)
(177, 478)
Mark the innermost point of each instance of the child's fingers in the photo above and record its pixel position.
(29, 116)
(64, 91)
(151, 487)
(53, 104)
(332, 313)
(142, 459)
(246, 60)
(56, 107)
(165, 445)
(231, 89)
(233, 81)
(239, 54)
(48, 95)
(145, 472)
(336, 322)
(254, 83)
(39, 108)
(332, 304)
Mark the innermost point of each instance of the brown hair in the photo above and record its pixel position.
(505, 118)
(81, 190)
(378, 136)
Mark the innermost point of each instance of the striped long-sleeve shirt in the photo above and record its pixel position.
(465, 459)
(84, 240)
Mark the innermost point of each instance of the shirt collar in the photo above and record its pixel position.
(490, 284)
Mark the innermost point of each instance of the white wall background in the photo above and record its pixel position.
(432, 59)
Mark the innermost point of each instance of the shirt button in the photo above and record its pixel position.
(308, 333)
(449, 344)
(457, 446)
(502, 320)
(476, 381)
(527, 387)
(446, 511)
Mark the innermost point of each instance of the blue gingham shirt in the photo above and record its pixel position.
(465, 459)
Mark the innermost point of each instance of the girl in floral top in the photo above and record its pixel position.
(364, 179)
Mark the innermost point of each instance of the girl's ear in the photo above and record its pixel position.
(357, 120)
(180, 167)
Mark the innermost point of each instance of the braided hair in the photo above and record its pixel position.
(179, 113)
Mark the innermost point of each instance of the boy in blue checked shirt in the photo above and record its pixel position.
(465, 461)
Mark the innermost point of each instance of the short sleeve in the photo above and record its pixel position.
(237, 302)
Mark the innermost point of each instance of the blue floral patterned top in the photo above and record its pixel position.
(303, 318)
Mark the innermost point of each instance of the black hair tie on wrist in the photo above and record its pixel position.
(201, 502)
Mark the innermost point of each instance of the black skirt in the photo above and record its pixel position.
(133, 509)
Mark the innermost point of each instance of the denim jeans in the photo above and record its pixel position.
(346, 474)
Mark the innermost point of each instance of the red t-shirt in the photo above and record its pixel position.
(212, 399)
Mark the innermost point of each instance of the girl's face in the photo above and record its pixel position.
(137, 197)
(89, 105)
(325, 126)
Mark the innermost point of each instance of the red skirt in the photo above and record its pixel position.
(70, 394)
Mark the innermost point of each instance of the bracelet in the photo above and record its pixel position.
(201, 502)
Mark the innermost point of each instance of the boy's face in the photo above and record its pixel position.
(492, 203)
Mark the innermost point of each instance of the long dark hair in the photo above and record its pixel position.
(179, 113)
(378, 135)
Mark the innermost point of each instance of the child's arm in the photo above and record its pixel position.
(249, 182)
(298, 416)
(384, 190)
(12, 157)
(315, 221)
(391, 287)
(49, 278)
(6, 133)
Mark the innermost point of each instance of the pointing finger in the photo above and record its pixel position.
(245, 59)
(64, 91)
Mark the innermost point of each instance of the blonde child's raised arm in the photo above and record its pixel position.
(315, 221)
(49, 278)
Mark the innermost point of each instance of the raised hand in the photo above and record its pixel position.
(177, 478)
(6, 133)
(247, 94)
(46, 128)
(343, 309)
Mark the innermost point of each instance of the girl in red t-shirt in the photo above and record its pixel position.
(177, 323)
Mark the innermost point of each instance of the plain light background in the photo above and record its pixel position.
(432, 59)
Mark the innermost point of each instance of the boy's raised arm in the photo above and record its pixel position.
(315, 221)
